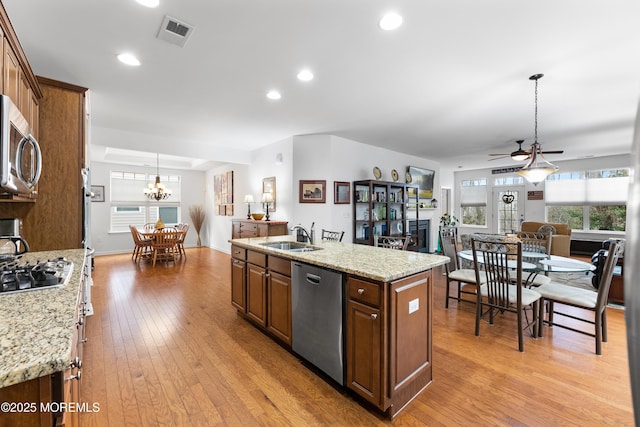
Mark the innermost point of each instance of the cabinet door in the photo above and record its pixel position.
(279, 306)
(239, 284)
(11, 73)
(256, 294)
(235, 230)
(364, 364)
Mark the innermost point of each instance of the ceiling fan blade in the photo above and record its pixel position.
(503, 156)
(553, 152)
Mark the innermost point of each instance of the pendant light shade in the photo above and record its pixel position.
(538, 168)
(157, 191)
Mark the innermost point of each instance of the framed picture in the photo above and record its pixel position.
(424, 179)
(97, 193)
(313, 191)
(341, 193)
(269, 186)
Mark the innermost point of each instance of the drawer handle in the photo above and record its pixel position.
(374, 316)
(361, 291)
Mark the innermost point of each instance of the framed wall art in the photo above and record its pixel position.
(341, 193)
(424, 179)
(313, 191)
(223, 193)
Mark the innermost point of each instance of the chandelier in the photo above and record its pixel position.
(157, 191)
(538, 168)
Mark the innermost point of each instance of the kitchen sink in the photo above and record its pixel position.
(291, 246)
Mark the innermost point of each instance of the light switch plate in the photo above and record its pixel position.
(414, 305)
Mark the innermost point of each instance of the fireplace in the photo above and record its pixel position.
(419, 231)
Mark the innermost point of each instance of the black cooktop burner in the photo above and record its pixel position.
(16, 277)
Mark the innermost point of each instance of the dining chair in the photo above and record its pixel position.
(335, 236)
(495, 264)
(586, 299)
(465, 278)
(182, 228)
(141, 246)
(164, 245)
(535, 242)
(391, 242)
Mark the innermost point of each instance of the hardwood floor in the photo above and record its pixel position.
(165, 347)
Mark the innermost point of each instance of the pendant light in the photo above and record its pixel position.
(157, 191)
(538, 168)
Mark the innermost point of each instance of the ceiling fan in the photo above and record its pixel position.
(521, 155)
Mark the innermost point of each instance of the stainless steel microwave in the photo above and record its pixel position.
(20, 155)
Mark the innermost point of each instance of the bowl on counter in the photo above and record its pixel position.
(257, 216)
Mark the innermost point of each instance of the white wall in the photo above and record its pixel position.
(105, 242)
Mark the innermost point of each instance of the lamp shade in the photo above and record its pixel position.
(267, 198)
(248, 198)
(538, 168)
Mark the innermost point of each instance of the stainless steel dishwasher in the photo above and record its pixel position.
(316, 317)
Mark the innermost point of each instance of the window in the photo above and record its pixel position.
(129, 206)
(473, 202)
(589, 200)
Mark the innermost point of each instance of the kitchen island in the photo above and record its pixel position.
(386, 310)
(41, 334)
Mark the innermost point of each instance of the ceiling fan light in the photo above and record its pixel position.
(519, 157)
(538, 168)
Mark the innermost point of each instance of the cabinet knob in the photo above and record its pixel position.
(360, 291)
(374, 316)
(76, 363)
(77, 376)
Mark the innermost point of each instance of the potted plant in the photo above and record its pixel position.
(448, 220)
(197, 215)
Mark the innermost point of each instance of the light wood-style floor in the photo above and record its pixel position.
(166, 348)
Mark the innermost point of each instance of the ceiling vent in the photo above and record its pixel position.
(174, 31)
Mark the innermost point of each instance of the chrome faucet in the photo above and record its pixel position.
(310, 235)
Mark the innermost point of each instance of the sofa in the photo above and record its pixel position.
(560, 235)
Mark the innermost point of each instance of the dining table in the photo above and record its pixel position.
(541, 263)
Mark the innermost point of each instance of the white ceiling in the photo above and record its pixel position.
(452, 84)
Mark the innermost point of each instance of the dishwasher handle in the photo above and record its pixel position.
(314, 279)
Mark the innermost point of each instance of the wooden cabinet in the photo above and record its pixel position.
(11, 73)
(279, 298)
(62, 139)
(243, 228)
(261, 290)
(403, 354)
(383, 208)
(239, 278)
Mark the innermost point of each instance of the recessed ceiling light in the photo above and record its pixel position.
(274, 95)
(129, 59)
(149, 3)
(305, 75)
(390, 21)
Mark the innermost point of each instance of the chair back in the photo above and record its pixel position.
(535, 242)
(391, 242)
(135, 234)
(166, 238)
(616, 249)
(449, 248)
(496, 264)
(335, 236)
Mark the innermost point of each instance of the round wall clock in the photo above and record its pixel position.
(407, 177)
(394, 175)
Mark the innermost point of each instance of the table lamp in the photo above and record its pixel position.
(248, 199)
(266, 199)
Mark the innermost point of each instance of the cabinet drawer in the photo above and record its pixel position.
(280, 265)
(238, 253)
(257, 258)
(366, 292)
(247, 227)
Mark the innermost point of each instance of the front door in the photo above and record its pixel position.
(509, 209)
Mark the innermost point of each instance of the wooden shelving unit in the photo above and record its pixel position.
(381, 207)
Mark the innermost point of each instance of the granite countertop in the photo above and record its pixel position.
(367, 261)
(36, 327)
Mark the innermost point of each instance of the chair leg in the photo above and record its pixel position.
(598, 325)
(446, 298)
(604, 325)
(520, 335)
(540, 316)
(478, 315)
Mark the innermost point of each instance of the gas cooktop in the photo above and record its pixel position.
(17, 277)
